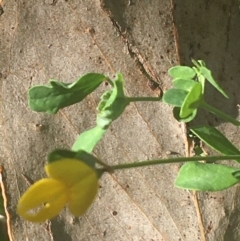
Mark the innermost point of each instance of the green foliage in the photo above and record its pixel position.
(183, 72)
(184, 84)
(111, 106)
(191, 101)
(188, 92)
(206, 177)
(175, 97)
(87, 140)
(215, 139)
(176, 114)
(186, 96)
(58, 95)
(112, 103)
(208, 75)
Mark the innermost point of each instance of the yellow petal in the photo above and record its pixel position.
(83, 194)
(43, 200)
(70, 171)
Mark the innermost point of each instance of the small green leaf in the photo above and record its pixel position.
(215, 139)
(88, 139)
(58, 95)
(104, 98)
(176, 112)
(183, 72)
(198, 63)
(183, 84)
(192, 100)
(112, 104)
(174, 97)
(208, 75)
(206, 177)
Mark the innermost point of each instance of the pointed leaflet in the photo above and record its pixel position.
(215, 139)
(208, 75)
(206, 177)
(58, 95)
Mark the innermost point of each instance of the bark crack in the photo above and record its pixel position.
(153, 81)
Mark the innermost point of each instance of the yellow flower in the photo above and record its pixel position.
(70, 182)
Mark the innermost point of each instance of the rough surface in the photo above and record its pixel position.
(210, 31)
(60, 39)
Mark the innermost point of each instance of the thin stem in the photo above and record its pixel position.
(134, 99)
(173, 160)
(220, 113)
(103, 164)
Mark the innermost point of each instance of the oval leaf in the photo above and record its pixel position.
(184, 84)
(174, 97)
(206, 177)
(184, 72)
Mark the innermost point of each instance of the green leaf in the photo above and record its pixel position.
(104, 98)
(215, 139)
(183, 72)
(237, 174)
(208, 75)
(202, 80)
(198, 63)
(112, 104)
(184, 84)
(176, 113)
(206, 177)
(88, 139)
(192, 100)
(174, 97)
(58, 95)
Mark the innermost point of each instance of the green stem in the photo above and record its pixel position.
(134, 99)
(173, 160)
(220, 113)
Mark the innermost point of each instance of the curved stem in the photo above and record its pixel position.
(172, 160)
(220, 113)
